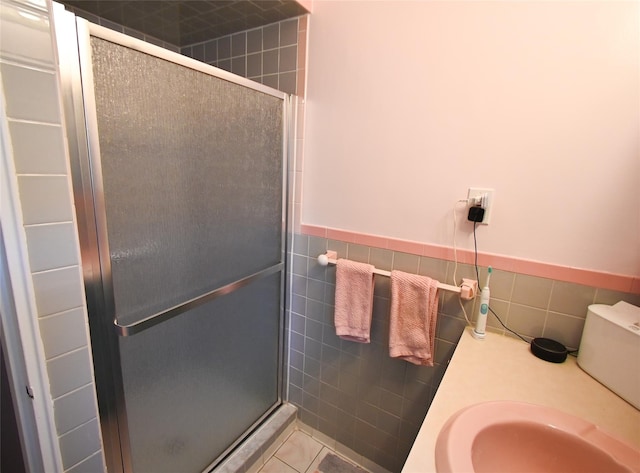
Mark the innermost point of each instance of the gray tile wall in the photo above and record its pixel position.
(121, 29)
(268, 54)
(358, 396)
(272, 55)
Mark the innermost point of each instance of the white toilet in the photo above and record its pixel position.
(610, 348)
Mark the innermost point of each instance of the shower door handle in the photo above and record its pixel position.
(155, 319)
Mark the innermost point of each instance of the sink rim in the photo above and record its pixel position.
(462, 428)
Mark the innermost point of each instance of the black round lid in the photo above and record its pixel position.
(549, 350)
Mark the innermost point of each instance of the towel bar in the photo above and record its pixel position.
(466, 292)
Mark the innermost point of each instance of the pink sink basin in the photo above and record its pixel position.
(509, 436)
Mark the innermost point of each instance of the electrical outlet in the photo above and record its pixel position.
(484, 198)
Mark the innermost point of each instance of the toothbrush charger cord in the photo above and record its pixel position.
(557, 354)
(475, 247)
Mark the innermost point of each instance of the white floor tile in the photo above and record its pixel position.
(299, 451)
(313, 468)
(314, 465)
(274, 465)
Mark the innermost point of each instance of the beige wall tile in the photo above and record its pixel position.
(45, 199)
(92, 464)
(502, 309)
(80, 443)
(532, 291)
(451, 305)
(501, 284)
(52, 246)
(63, 332)
(24, 35)
(433, 268)
(58, 290)
(526, 320)
(30, 94)
(405, 262)
(358, 253)
(569, 298)
(69, 372)
(42, 155)
(381, 258)
(74, 409)
(564, 328)
(605, 296)
(463, 271)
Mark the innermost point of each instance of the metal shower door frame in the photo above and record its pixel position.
(74, 49)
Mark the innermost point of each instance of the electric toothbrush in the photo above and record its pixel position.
(483, 310)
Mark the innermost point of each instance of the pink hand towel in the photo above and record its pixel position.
(414, 309)
(354, 300)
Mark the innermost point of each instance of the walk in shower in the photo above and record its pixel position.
(179, 174)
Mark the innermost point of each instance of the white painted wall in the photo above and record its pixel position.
(410, 103)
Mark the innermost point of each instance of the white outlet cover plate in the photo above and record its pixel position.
(479, 191)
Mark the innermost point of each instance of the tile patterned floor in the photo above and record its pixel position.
(299, 454)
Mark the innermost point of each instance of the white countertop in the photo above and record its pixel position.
(503, 368)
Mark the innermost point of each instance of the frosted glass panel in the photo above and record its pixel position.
(192, 179)
(193, 383)
(192, 174)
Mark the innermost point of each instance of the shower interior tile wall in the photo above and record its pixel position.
(372, 404)
(268, 54)
(121, 29)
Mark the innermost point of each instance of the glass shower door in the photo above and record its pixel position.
(186, 178)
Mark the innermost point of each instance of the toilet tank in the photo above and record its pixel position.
(610, 348)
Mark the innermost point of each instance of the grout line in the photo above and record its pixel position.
(33, 174)
(33, 225)
(553, 287)
(290, 466)
(33, 122)
(73, 391)
(546, 311)
(273, 455)
(98, 452)
(38, 66)
(55, 314)
(75, 350)
(322, 447)
(55, 269)
(78, 427)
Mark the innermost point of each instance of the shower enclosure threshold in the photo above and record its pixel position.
(257, 448)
